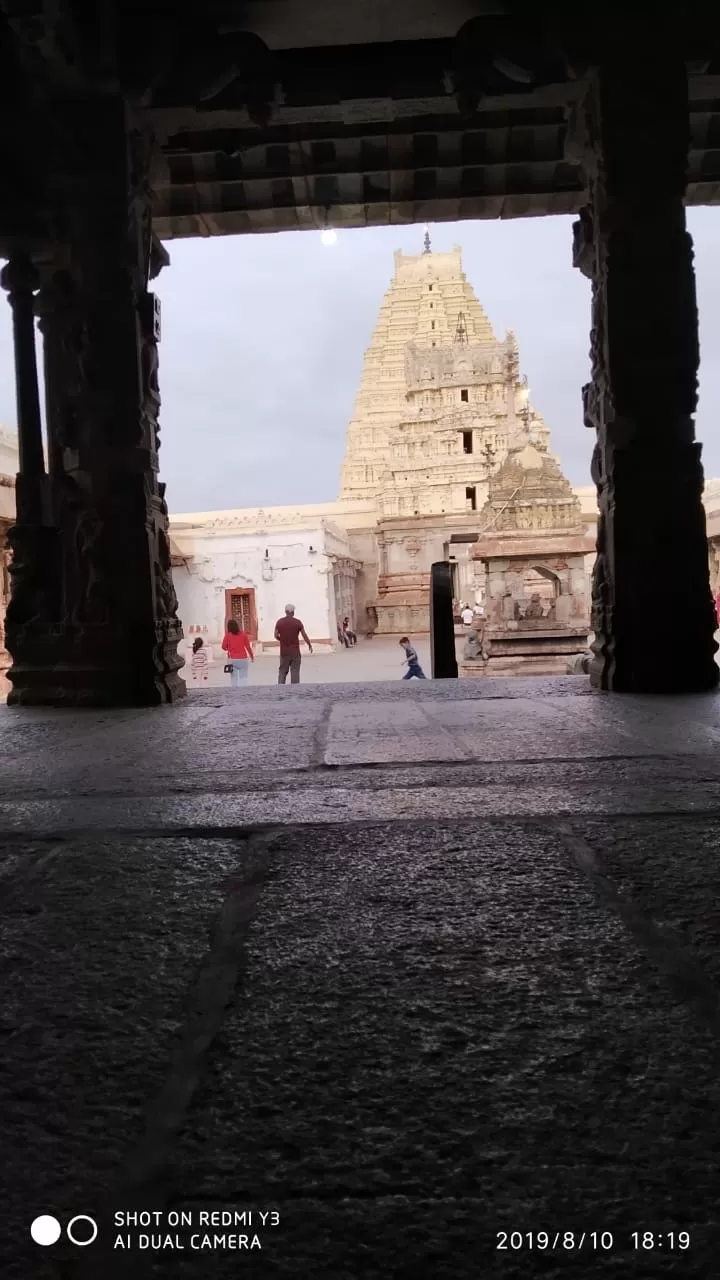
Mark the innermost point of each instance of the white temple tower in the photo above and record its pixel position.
(441, 399)
(438, 395)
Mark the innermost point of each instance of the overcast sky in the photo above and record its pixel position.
(264, 336)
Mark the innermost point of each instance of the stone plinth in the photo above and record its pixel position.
(402, 604)
(533, 648)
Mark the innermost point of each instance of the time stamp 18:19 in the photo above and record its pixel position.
(602, 1241)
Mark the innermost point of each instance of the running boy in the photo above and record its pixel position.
(413, 666)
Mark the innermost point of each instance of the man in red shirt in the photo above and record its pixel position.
(288, 631)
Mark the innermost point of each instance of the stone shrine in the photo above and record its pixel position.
(530, 554)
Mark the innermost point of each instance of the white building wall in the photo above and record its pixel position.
(297, 570)
(9, 460)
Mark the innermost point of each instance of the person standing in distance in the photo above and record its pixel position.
(287, 632)
(238, 647)
(199, 662)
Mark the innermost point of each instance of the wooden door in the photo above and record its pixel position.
(240, 605)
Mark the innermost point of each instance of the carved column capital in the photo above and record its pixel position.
(20, 277)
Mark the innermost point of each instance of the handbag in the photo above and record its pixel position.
(228, 669)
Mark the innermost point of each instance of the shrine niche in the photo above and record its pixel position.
(530, 558)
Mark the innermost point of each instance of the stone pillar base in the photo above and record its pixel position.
(45, 678)
(92, 687)
(656, 677)
(654, 522)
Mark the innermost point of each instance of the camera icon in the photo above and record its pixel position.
(46, 1230)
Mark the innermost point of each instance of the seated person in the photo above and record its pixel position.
(535, 608)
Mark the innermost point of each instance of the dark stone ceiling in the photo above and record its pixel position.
(279, 114)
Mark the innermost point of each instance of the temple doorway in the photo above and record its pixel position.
(240, 605)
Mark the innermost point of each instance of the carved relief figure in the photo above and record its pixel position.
(92, 581)
(66, 340)
(476, 646)
(167, 599)
(27, 596)
(150, 390)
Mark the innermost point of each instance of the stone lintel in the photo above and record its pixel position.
(539, 547)
(446, 521)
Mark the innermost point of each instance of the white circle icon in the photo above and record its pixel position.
(45, 1229)
(81, 1217)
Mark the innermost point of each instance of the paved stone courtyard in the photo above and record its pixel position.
(379, 659)
(368, 660)
(413, 967)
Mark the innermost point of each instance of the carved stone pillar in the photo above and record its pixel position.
(32, 610)
(21, 279)
(113, 640)
(652, 559)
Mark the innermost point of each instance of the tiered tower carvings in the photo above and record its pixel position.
(439, 396)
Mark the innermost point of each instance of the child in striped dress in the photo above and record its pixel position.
(199, 661)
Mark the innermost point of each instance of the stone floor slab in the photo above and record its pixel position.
(413, 964)
(100, 944)
(671, 871)
(310, 803)
(479, 1019)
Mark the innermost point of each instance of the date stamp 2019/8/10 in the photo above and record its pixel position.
(601, 1241)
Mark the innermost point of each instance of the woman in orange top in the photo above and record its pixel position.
(238, 648)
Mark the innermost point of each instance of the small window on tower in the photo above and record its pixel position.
(464, 394)
(432, 324)
(467, 441)
(432, 304)
(430, 288)
(470, 498)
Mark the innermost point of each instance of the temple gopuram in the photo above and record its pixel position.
(437, 397)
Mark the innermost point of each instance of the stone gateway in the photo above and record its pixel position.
(442, 440)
